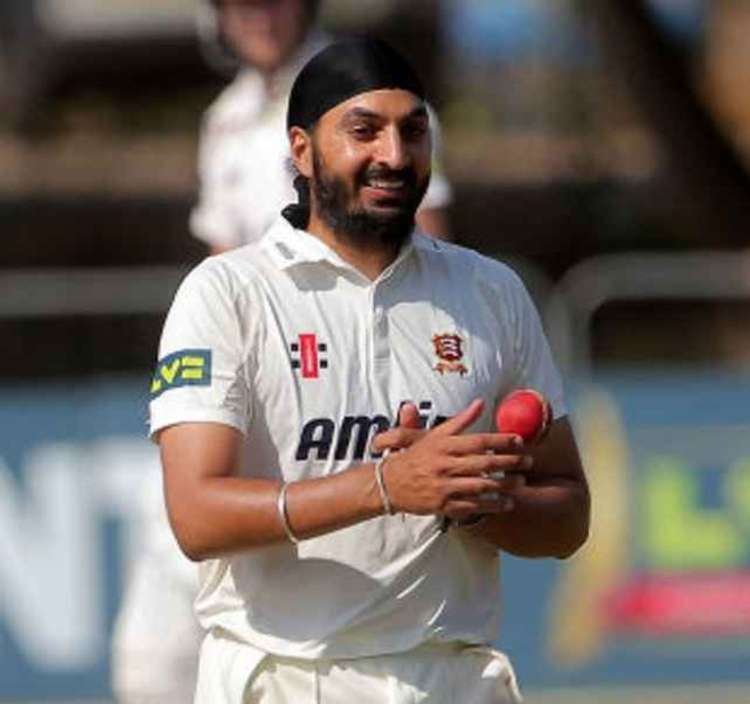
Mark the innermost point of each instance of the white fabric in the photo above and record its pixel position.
(470, 675)
(243, 158)
(233, 673)
(391, 583)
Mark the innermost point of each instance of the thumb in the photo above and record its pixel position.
(408, 416)
(458, 423)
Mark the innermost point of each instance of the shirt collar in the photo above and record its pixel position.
(290, 247)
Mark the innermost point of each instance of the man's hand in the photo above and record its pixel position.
(404, 435)
(444, 471)
(550, 514)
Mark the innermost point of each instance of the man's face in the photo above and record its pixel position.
(264, 33)
(371, 165)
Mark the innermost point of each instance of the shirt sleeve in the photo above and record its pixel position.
(534, 365)
(201, 375)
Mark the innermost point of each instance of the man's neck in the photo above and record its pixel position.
(273, 82)
(371, 260)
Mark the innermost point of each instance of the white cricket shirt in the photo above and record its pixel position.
(243, 157)
(288, 343)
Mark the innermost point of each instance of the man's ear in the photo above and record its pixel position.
(300, 145)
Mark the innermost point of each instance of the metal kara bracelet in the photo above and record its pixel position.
(284, 516)
(387, 506)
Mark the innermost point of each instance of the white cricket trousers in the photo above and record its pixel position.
(430, 674)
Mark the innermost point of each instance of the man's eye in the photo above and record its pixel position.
(363, 131)
(414, 131)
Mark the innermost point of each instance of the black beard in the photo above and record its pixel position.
(359, 226)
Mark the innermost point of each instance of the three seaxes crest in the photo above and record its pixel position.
(449, 350)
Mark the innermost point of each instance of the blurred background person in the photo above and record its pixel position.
(156, 635)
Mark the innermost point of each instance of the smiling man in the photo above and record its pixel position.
(323, 405)
(243, 145)
(388, 185)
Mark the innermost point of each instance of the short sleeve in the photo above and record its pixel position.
(534, 366)
(201, 372)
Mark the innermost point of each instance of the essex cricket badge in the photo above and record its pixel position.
(449, 351)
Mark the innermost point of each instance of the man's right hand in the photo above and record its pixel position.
(404, 435)
(446, 472)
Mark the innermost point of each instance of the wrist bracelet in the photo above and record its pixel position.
(283, 516)
(387, 506)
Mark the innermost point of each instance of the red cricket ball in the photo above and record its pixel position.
(524, 412)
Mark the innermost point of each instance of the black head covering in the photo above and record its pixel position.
(342, 70)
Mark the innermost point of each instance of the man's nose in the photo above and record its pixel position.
(392, 151)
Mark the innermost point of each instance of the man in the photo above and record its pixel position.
(245, 181)
(337, 567)
(243, 147)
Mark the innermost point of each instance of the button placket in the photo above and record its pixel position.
(379, 330)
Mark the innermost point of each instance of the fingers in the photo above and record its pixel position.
(498, 499)
(511, 482)
(478, 443)
(408, 416)
(404, 434)
(487, 464)
(443, 471)
(461, 421)
(396, 439)
(463, 508)
(409, 430)
(478, 488)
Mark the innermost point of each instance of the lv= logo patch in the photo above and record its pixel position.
(182, 368)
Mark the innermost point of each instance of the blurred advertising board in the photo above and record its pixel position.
(72, 458)
(685, 20)
(661, 594)
(515, 30)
